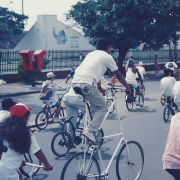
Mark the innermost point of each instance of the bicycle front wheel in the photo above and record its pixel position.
(26, 170)
(60, 144)
(166, 114)
(141, 99)
(41, 120)
(82, 166)
(130, 161)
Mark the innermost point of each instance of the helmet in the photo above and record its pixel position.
(141, 63)
(50, 75)
(130, 63)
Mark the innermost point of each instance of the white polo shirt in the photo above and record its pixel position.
(94, 67)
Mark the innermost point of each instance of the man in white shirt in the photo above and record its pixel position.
(88, 78)
(167, 83)
(141, 70)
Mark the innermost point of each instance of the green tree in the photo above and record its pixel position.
(128, 22)
(11, 27)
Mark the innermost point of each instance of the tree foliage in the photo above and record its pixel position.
(11, 27)
(129, 22)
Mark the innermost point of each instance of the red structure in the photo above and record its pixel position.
(27, 59)
(38, 59)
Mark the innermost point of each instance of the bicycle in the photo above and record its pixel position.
(170, 109)
(70, 135)
(47, 114)
(138, 99)
(84, 165)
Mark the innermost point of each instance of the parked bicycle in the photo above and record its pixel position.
(47, 114)
(170, 109)
(85, 165)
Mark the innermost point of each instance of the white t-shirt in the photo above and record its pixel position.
(166, 85)
(131, 77)
(11, 161)
(176, 93)
(141, 71)
(171, 65)
(4, 115)
(93, 67)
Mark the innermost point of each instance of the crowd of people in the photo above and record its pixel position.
(87, 81)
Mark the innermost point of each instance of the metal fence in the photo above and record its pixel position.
(62, 60)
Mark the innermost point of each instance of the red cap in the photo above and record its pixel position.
(19, 110)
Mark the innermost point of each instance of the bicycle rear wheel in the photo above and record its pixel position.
(26, 170)
(82, 166)
(130, 161)
(41, 120)
(129, 103)
(60, 144)
(166, 114)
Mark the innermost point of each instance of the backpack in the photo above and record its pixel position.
(46, 92)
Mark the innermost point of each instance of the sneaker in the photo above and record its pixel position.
(89, 135)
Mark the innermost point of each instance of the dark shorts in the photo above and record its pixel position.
(175, 173)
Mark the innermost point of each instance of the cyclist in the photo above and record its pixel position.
(6, 104)
(171, 156)
(17, 137)
(88, 76)
(52, 101)
(131, 77)
(167, 83)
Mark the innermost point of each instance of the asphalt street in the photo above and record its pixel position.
(144, 125)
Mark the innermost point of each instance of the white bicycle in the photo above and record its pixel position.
(88, 164)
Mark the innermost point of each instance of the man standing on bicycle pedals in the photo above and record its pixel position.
(52, 101)
(88, 78)
(167, 83)
(131, 76)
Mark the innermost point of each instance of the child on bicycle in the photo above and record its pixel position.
(18, 139)
(167, 83)
(133, 76)
(52, 99)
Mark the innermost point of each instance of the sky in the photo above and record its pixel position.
(33, 8)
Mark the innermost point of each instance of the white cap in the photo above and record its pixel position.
(141, 63)
(50, 75)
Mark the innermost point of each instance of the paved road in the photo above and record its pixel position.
(144, 125)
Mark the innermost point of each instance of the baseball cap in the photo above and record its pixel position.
(141, 63)
(19, 110)
(50, 75)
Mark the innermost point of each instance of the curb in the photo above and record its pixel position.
(18, 94)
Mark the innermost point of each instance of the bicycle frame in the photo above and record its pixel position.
(121, 141)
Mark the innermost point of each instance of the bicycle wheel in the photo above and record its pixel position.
(130, 161)
(129, 103)
(141, 99)
(166, 114)
(60, 144)
(41, 120)
(82, 166)
(26, 170)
